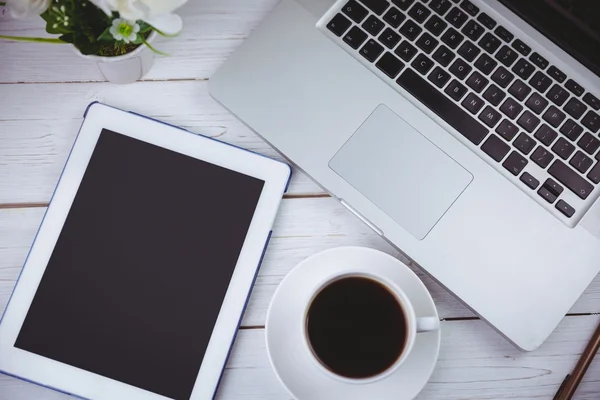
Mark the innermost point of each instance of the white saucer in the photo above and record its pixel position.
(291, 357)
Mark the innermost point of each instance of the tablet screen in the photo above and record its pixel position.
(135, 283)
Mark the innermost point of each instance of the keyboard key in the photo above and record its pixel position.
(390, 65)
(539, 60)
(377, 6)
(536, 103)
(355, 11)
(589, 144)
(443, 55)
(557, 95)
(528, 121)
(490, 43)
(355, 37)
(575, 108)
(473, 103)
(452, 38)
(594, 174)
(469, 7)
(410, 30)
(521, 47)
(495, 148)
(455, 90)
(553, 187)
(473, 30)
(507, 56)
(523, 68)
(507, 130)
(373, 25)
(422, 64)
(546, 135)
(592, 101)
(389, 38)
(571, 179)
(406, 51)
(490, 117)
(435, 25)
(547, 195)
(529, 180)
(524, 143)
(456, 17)
(469, 51)
(371, 50)
(571, 130)
(565, 208)
(477, 82)
(504, 34)
(511, 108)
(519, 89)
(494, 95)
(581, 162)
(486, 20)
(427, 43)
(460, 68)
(439, 77)
(540, 82)
(419, 12)
(557, 74)
(440, 6)
(445, 108)
(591, 121)
(515, 163)
(339, 24)
(554, 116)
(542, 157)
(563, 148)
(485, 64)
(574, 87)
(502, 77)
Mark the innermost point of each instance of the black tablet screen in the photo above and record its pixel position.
(135, 283)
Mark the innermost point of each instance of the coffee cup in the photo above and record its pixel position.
(361, 327)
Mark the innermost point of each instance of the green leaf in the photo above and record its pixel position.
(139, 39)
(32, 39)
(106, 35)
(144, 27)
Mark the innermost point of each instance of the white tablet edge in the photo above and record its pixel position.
(72, 380)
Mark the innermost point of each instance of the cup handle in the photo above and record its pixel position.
(428, 324)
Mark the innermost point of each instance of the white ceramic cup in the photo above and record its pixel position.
(414, 324)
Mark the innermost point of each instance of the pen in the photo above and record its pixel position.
(569, 386)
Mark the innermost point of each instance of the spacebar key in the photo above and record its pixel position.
(443, 106)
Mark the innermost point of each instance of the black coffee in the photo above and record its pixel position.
(356, 327)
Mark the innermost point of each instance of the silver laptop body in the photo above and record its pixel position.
(497, 200)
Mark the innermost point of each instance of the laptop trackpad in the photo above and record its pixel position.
(401, 171)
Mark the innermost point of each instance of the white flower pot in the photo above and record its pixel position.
(127, 68)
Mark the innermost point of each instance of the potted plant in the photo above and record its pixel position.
(116, 34)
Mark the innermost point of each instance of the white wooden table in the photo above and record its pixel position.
(44, 90)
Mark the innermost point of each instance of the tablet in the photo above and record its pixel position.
(140, 272)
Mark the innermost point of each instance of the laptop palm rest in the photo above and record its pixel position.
(401, 171)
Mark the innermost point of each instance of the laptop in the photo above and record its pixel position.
(465, 133)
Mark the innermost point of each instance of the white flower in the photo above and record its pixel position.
(103, 5)
(158, 13)
(27, 8)
(124, 30)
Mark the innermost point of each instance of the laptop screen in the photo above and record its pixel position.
(574, 25)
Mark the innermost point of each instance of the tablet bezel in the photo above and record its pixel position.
(73, 380)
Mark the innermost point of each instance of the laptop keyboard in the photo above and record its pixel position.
(514, 107)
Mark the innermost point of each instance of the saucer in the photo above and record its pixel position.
(290, 356)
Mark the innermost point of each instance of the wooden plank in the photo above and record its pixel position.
(35, 140)
(303, 227)
(213, 29)
(473, 364)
